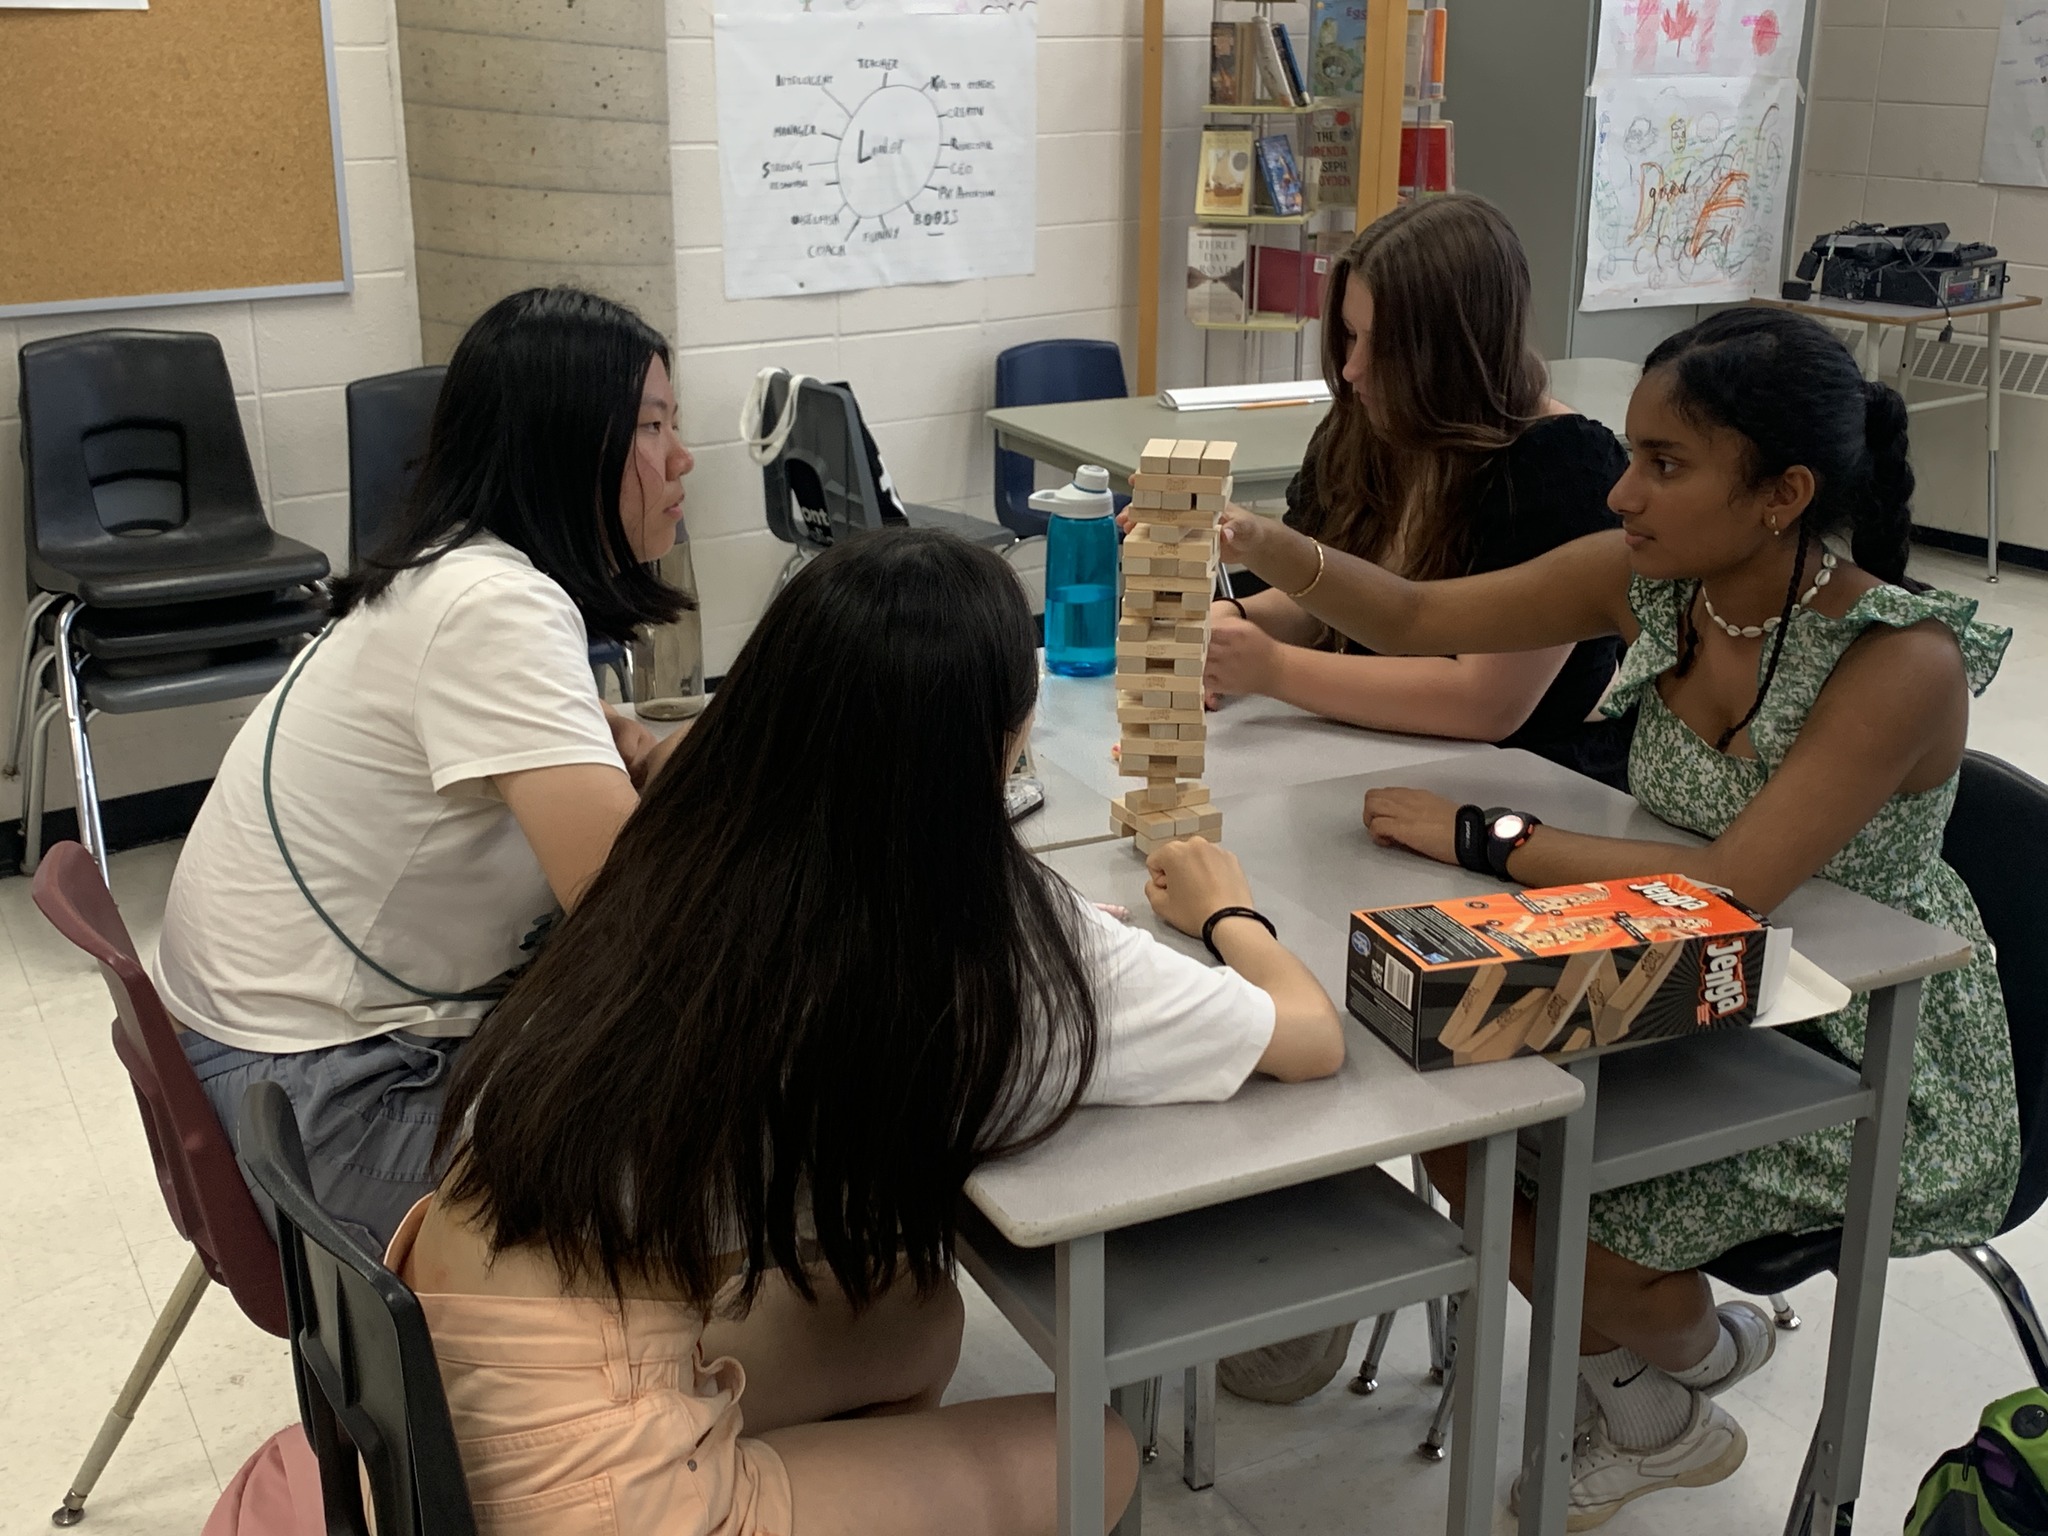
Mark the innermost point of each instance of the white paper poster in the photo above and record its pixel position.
(2016, 129)
(1716, 39)
(1689, 188)
(868, 150)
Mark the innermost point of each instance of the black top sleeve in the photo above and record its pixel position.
(1546, 488)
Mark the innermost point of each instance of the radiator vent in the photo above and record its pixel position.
(1963, 362)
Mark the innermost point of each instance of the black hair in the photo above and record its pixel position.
(819, 978)
(1791, 390)
(529, 442)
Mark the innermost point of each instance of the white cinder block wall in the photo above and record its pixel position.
(921, 359)
(1894, 132)
(289, 359)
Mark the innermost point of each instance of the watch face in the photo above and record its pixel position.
(1509, 827)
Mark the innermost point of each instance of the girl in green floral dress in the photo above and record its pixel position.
(1805, 711)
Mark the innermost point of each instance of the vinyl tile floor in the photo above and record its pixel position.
(87, 1255)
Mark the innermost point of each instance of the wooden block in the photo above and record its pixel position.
(1181, 517)
(1161, 533)
(1192, 631)
(1187, 456)
(1158, 650)
(1209, 826)
(1166, 746)
(1194, 731)
(1188, 666)
(1201, 567)
(1137, 600)
(1130, 712)
(1182, 485)
(1212, 501)
(1216, 458)
(1144, 499)
(1133, 629)
(1171, 794)
(1119, 817)
(1156, 457)
(1196, 587)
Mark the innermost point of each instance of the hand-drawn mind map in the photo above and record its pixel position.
(1722, 39)
(1688, 191)
(866, 151)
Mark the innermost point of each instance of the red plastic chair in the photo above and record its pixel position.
(209, 1201)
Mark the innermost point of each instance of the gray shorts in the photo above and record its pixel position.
(368, 1112)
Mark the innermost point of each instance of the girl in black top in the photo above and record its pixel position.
(1442, 455)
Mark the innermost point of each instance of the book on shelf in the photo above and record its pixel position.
(1230, 65)
(1422, 73)
(1336, 49)
(1224, 184)
(1329, 159)
(1273, 82)
(1429, 160)
(1216, 275)
(1297, 84)
(1281, 176)
(1287, 281)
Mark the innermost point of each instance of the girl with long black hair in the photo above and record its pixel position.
(714, 1141)
(397, 821)
(1804, 706)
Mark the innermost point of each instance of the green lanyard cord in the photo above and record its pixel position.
(277, 833)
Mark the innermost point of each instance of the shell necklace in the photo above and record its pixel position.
(1758, 631)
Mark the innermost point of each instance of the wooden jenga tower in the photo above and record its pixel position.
(1162, 640)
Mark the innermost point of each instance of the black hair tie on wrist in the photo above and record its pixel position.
(1239, 607)
(1209, 928)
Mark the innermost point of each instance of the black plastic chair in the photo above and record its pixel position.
(1047, 373)
(821, 486)
(155, 580)
(389, 417)
(1999, 811)
(369, 1387)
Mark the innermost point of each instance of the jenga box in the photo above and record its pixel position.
(1561, 972)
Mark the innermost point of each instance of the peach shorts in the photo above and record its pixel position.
(576, 1420)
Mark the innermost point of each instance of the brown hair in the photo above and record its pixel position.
(1453, 380)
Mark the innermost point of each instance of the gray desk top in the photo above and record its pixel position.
(1073, 812)
(1111, 1168)
(1310, 844)
(1254, 743)
(1270, 442)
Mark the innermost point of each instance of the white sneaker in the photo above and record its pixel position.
(1755, 1335)
(1606, 1476)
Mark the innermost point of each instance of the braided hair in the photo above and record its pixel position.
(1794, 394)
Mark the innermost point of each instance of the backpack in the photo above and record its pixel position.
(1997, 1485)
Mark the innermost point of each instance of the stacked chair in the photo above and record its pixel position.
(155, 580)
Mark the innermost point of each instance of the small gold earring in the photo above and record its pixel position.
(1776, 531)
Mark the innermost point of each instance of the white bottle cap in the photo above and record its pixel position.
(1092, 477)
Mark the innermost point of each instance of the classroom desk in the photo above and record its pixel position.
(1651, 1111)
(1874, 317)
(1073, 812)
(1140, 1241)
(1270, 439)
(1254, 743)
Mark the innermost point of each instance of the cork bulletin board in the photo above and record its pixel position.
(185, 153)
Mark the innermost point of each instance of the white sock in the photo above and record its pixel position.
(1718, 1362)
(1643, 1407)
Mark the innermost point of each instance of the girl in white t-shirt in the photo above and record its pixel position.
(715, 1139)
(437, 775)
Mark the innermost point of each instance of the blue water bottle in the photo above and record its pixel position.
(1080, 574)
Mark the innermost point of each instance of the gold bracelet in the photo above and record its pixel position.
(1321, 560)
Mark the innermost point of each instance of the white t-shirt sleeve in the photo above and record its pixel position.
(505, 686)
(1173, 1029)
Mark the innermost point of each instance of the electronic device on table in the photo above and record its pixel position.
(1914, 264)
(1023, 790)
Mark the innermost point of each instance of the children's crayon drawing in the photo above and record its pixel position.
(1722, 39)
(1689, 188)
(2016, 128)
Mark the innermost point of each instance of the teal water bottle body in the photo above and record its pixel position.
(1080, 576)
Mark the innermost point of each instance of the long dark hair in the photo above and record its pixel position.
(1454, 379)
(818, 973)
(1793, 393)
(529, 442)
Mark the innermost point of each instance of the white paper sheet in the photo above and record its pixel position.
(863, 151)
(1719, 39)
(1688, 193)
(1805, 992)
(2016, 129)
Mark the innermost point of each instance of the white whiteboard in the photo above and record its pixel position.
(869, 150)
(2016, 128)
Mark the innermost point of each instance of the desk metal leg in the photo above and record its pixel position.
(1564, 1182)
(1134, 1405)
(1834, 1471)
(1080, 1382)
(1873, 349)
(1993, 395)
(1198, 1427)
(1482, 1334)
(1901, 373)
